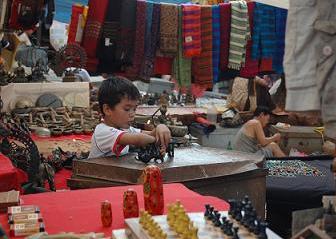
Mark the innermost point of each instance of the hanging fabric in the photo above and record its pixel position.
(215, 42)
(139, 45)
(76, 11)
(240, 33)
(93, 28)
(280, 31)
(264, 39)
(168, 29)
(225, 29)
(3, 12)
(152, 39)
(108, 43)
(191, 30)
(125, 42)
(251, 67)
(202, 65)
(181, 65)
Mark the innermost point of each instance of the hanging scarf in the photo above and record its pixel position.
(250, 68)
(152, 38)
(191, 30)
(139, 45)
(225, 29)
(280, 30)
(264, 40)
(125, 42)
(215, 42)
(168, 29)
(202, 65)
(93, 27)
(240, 33)
(76, 11)
(181, 65)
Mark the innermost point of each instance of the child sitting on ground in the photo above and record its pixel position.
(118, 99)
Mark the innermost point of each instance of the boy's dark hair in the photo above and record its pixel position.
(113, 89)
(262, 109)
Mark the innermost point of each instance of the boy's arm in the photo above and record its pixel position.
(161, 134)
(136, 139)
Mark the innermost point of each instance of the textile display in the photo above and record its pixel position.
(251, 67)
(108, 42)
(93, 27)
(152, 39)
(139, 44)
(168, 29)
(225, 29)
(280, 32)
(125, 42)
(163, 65)
(77, 10)
(202, 65)
(191, 30)
(240, 33)
(264, 39)
(181, 65)
(215, 42)
(78, 211)
(3, 13)
(291, 168)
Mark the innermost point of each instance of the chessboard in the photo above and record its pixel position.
(206, 230)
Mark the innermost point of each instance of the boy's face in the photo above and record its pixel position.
(122, 114)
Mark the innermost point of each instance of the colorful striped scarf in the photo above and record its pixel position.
(152, 38)
(139, 45)
(240, 33)
(251, 68)
(168, 29)
(264, 41)
(215, 42)
(280, 30)
(191, 30)
(181, 65)
(202, 65)
(225, 29)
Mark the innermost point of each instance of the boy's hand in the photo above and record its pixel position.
(162, 134)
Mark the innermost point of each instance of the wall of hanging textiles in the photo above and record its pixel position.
(201, 42)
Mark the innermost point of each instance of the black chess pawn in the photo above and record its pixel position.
(216, 219)
(252, 220)
(238, 212)
(235, 233)
(262, 230)
(229, 231)
(211, 215)
(207, 210)
(232, 203)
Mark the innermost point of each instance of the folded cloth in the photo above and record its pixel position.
(168, 29)
(280, 31)
(181, 65)
(225, 29)
(125, 42)
(251, 67)
(139, 44)
(215, 42)
(152, 39)
(191, 30)
(263, 37)
(240, 33)
(202, 65)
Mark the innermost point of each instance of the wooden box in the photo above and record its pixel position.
(208, 171)
(303, 138)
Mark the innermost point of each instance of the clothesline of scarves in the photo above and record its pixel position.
(205, 41)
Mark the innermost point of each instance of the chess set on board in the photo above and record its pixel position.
(241, 222)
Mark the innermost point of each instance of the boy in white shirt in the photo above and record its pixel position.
(118, 99)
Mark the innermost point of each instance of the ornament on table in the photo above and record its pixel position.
(131, 205)
(153, 190)
(106, 213)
